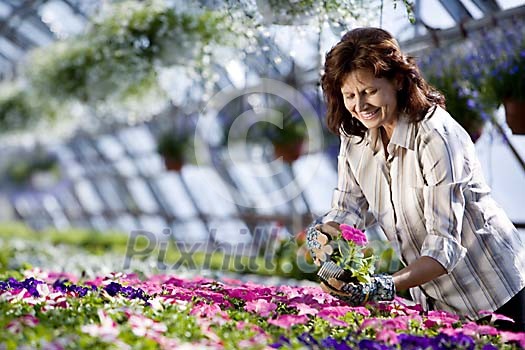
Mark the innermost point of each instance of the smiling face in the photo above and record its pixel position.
(372, 100)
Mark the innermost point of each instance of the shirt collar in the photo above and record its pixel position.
(404, 135)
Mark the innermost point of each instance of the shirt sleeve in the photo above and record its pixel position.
(349, 205)
(446, 169)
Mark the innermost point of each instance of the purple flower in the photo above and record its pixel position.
(307, 339)
(282, 342)
(408, 341)
(332, 343)
(489, 347)
(113, 288)
(367, 344)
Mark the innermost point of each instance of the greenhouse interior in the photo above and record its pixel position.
(170, 176)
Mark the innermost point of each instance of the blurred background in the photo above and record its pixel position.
(117, 116)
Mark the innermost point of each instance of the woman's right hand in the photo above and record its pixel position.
(317, 238)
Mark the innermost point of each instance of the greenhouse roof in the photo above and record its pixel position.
(31, 23)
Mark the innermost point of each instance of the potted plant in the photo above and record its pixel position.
(173, 147)
(505, 84)
(287, 140)
(462, 100)
(38, 169)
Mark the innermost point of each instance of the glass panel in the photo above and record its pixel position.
(208, 190)
(85, 149)
(230, 231)
(125, 167)
(271, 175)
(142, 195)
(125, 223)
(88, 197)
(190, 231)
(53, 209)
(110, 147)
(150, 165)
(246, 180)
(154, 224)
(108, 189)
(174, 195)
(138, 140)
(318, 177)
(34, 34)
(69, 203)
(99, 223)
(9, 50)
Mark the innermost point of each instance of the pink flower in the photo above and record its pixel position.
(145, 327)
(441, 318)
(511, 336)
(208, 311)
(16, 326)
(388, 336)
(305, 309)
(336, 311)
(288, 321)
(495, 317)
(353, 234)
(361, 310)
(107, 331)
(472, 328)
(261, 307)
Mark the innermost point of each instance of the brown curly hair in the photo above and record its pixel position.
(378, 51)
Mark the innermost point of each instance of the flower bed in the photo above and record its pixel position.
(50, 310)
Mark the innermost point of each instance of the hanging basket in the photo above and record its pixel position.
(290, 152)
(173, 164)
(515, 115)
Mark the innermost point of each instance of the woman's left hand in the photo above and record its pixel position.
(380, 288)
(318, 237)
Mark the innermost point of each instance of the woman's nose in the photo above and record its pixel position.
(360, 104)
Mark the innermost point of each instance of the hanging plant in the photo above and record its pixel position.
(505, 84)
(462, 101)
(300, 12)
(174, 148)
(16, 111)
(37, 168)
(122, 49)
(21, 107)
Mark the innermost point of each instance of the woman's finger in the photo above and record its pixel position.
(329, 230)
(327, 289)
(335, 283)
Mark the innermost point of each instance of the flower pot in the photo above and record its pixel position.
(475, 133)
(290, 152)
(173, 164)
(515, 115)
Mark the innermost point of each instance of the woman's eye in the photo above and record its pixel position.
(371, 92)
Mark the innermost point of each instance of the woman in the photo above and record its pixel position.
(406, 164)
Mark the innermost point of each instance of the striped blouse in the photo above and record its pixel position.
(429, 196)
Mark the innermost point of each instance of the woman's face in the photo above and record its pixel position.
(372, 100)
